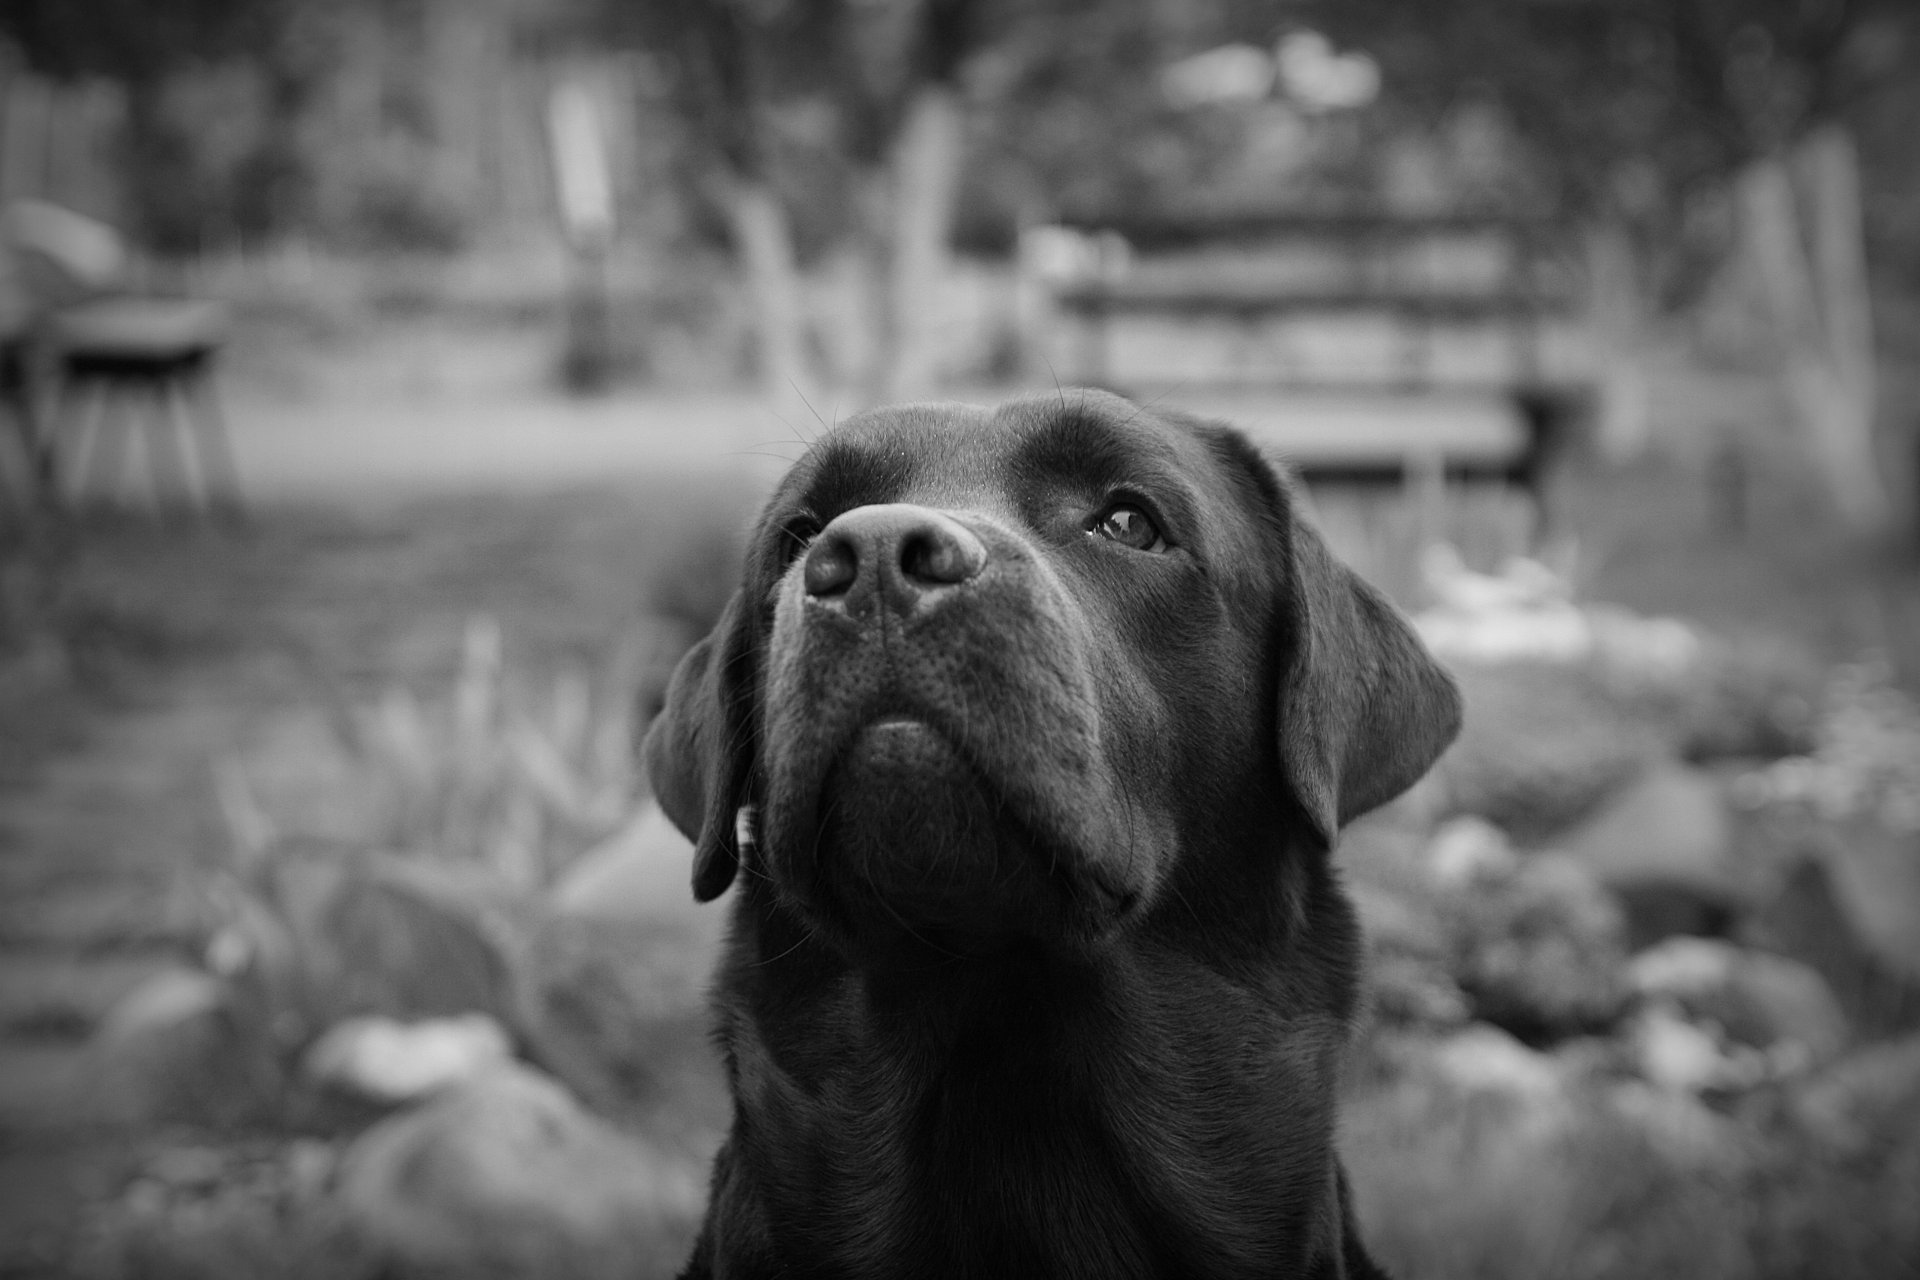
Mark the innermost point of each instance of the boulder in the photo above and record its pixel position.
(412, 938)
(1755, 999)
(1866, 1100)
(1496, 1160)
(1469, 848)
(1540, 747)
(1681, 1056)
(643, 873)
(1746, 699)
(1541, 951)
(1484, 1059)
(604, 990)
(1663, 846)
(1688, 1135)
(385, 1061)
(1815, 915)
(507, 1176)
(1876, 874)
(177, 1048)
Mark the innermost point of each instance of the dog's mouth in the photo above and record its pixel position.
(911, 840)
(949, 775)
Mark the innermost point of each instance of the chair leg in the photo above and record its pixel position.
(200, 407)
(87, 439)
(166, 447)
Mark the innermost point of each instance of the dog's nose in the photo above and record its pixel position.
(894, 554)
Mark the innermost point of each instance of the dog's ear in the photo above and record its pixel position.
(697, 753)
(1364, 708)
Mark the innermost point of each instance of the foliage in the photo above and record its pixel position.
(490, 772)
(1636, 111)
(1865, 757)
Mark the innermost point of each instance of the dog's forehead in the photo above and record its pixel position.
(958, 455)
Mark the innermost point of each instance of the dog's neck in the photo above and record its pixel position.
(1028, 1062)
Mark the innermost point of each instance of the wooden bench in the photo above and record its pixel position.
(1369, 350)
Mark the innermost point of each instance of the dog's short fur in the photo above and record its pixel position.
(1027, 738)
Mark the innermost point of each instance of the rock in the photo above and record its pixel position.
(1867, 1099)
(165, 1000)
(643, 873)
(176, 1048)
(1749, 699)
(386, 1061)
(1409, 942)
(1876, 873)
(618, 1011)
(1810, 917)
(1469, 848)
(507, 1176)
(1406, 990)
(1662, 846)
(1541, 952)
(1688, 1135)
(1756, 999)
(1540, 747)
(1506, 1162)
(1677, 1055)
(1484, 1059)
(414, 939)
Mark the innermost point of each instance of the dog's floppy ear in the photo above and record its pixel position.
(1364, 708)
(696, 750)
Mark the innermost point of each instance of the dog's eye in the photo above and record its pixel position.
(1129, 526)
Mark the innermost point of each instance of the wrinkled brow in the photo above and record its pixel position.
(843, 473)
(1091, 448)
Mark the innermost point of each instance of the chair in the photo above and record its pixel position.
(122, 366)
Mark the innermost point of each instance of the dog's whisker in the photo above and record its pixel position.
(810, 409)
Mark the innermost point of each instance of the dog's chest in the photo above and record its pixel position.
(1029, 1164)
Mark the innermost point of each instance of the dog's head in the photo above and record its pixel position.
(1008, 673)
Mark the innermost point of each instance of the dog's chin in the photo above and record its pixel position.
(914, 846)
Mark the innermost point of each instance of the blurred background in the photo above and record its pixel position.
(384, 388)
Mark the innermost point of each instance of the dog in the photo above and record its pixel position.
(1027, 739)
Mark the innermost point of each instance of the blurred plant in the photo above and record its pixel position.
(488, 773)
(467, 803)
(1865, 761)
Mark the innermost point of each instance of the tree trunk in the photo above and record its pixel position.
(764, 240)
(1812, 262)
(1619, 321)
(926, 172)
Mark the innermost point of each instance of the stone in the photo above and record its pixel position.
(617, 1010)
(1687, 1134)
(166, 999)
(1408, 991)
(1756, 999)
(1469, 848)
(1868, 1099)
(414, 939)
(389, 1062)
(1662, 846)
(507, 1176)
(1540, 747)
(178, 1048)
(1541, 951)
(1675, 1054)
(1811, 917)
(1484, 1059)
(1876, 875)
(644, 872)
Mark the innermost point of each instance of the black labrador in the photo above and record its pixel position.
(1028, 736)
